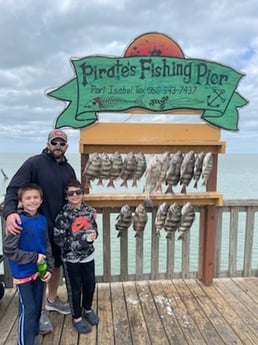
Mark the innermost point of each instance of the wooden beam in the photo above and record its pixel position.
(132, 199)
(150, 138)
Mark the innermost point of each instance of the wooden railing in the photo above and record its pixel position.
(151, 257)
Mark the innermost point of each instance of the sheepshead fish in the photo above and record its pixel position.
(139, 220)
(105, 168)
(128, 169)
(152, 174)
(161, 217)
(173, 172)
(92, 168)
(187, 219)
(186, 170)
(165, 158)
(116, 168)
(140, 168)
(198, 168)
(173, 219)
(124, 219)
(207, 167)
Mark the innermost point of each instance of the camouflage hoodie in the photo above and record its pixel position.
(70, 232)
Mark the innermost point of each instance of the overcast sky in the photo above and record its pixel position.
(39, 37)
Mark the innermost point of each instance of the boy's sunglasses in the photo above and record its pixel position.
(76, 192)
(54, 143)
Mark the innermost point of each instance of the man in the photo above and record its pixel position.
(52, 172)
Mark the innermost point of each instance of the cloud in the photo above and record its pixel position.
(38, 39)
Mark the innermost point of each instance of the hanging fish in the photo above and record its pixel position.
(116, 168)
(173, 219)
(140, 168)
(124, 219)
(207, 167)
(173, 172)
(105, 168)
(151, 178)
(187, 219)
(164, 160)
(198, 168)
(139, 220)
(92, 168)
(161, 217)
(186, 170)
(128, 170)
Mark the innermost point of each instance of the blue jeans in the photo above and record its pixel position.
(30, 305)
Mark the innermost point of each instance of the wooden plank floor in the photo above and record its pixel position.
(177, 312)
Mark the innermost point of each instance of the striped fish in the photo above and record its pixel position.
(161, 217)
(124, 219)
(187, 219)
(173, 219)
(207, 167)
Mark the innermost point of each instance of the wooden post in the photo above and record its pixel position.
(209, 244)
(84, 160)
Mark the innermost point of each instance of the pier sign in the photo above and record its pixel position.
(153, 75)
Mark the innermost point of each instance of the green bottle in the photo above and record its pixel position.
(42, 268)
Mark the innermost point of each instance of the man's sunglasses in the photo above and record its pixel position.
(54, 143)
(76, 192)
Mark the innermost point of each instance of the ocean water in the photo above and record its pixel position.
(237, 178)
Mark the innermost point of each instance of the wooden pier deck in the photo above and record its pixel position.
(163, 312)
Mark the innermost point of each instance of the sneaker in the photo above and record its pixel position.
(92, 318)
(59, 306)
(45, 325)
(82, 326)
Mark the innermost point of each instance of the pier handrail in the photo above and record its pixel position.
(151, 257)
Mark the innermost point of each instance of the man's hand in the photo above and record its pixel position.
(13, 224)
